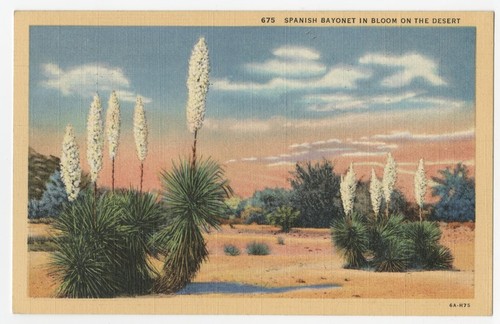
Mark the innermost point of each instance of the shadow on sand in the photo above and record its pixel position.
(200, 288)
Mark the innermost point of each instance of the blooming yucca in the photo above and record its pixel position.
(197, 84)
(140, 134)
(95, 139)
(70, 164)
(376, 193)
(389, 180)
(113, 131)
(348, 190)
(420, 186)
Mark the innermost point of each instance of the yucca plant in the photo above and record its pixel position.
(427, 252)
(141, 217)
(195, 199)
(393, 255)
(89, 250)
(351, 237)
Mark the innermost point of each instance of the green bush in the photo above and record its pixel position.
(255, 248)
(351, 237)
(285, 217)
(231, 250)
(281, 240)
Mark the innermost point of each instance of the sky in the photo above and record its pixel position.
(277, 96)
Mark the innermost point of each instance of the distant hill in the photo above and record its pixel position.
(40, 167)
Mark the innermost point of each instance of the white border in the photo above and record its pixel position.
(7, 9)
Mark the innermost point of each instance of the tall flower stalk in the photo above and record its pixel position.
(95, 140)
(113, 132)
(348, 190)
(140, 135)
(197, 84)
(71, 172)
(389, 180)
(420, 187)
(376, 193)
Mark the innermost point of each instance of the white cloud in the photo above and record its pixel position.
(363, 153)
(407, 136)
(301, 145)
(339, 77)
(85, 80)
(331, 102)
(296, 52)
(287, 68)
(411, 66)
(249, 159)
(281, 163)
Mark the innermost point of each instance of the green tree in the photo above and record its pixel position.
(316, 194)
(457, 195)
(285, 217)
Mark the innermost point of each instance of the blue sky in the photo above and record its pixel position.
(278, 94)
(256, 72)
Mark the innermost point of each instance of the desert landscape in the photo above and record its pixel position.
(306, 259)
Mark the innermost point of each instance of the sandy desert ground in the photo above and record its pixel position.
(307, 258)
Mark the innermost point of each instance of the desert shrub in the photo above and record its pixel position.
(194, 195)
(270, 199)
(233, 210)
(351, 237)
(256, 248)
(280, 240)
(90, 249)
(285, 217)
(427, 253)
(231, 250)
(457, 195)
(315, 194)
(253, 214)
(41, 243)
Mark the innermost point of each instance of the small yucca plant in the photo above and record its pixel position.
(195, 198)
(351, 237)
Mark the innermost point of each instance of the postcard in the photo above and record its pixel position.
(210, 162)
